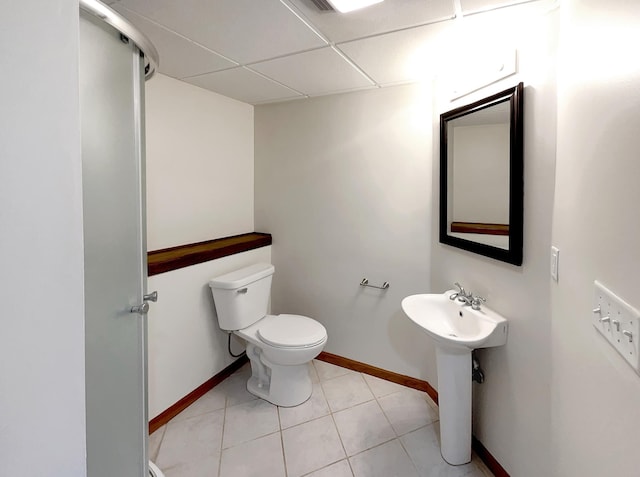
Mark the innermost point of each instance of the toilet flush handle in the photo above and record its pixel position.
(243, 290)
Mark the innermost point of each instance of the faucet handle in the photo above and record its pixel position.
(477, 301)
(457, 294)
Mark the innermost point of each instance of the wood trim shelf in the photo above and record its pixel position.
(480, 228)
(492, 464)
(173, 258)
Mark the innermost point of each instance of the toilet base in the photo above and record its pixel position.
(282, 385)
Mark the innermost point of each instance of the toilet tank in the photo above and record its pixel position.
(242, 296)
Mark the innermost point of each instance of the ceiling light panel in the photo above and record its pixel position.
(403, 56)
(179, 57)
(346, 6)
(389, 15)
(244, 31)
(243, 85)
(314, 72)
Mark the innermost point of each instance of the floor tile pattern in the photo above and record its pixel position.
(354, 425)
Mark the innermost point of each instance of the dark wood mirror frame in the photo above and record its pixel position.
(513, 254)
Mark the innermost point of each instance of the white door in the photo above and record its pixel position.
(111, 100)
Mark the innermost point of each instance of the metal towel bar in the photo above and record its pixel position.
(365, 283)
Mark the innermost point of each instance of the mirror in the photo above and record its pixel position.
(481, 176)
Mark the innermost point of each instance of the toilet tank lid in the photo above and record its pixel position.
(242, 277)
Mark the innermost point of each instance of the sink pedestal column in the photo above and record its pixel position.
(454, 402)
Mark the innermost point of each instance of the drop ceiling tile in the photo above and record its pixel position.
(474, 6)
(179, 57)
(243, 85)
(314, 72)
(403, 56)
(390, 15)
(242, 30)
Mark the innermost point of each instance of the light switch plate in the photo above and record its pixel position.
(618, 322)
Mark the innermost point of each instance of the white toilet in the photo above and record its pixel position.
(279, 347)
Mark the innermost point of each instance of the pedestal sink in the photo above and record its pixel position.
(457, 329)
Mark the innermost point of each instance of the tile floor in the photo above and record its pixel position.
(354, 425)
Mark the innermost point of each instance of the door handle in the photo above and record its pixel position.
(143, 308)
(153, 296)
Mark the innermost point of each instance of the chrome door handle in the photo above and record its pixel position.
(143, 309)
(140, 309)
(153, 296)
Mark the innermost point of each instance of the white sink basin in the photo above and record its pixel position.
(450, 323)
(457, 330)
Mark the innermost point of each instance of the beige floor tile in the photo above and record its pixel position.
(235, 388)
(311, 446)
(339, 469)
(329, 371)
(346, 391)
(261, 457)
(192, 440)
(381, 387)
(249, 421)
(362, 427)
(408, 410)
(386, 460)
(204, 467)
(314, 407)
(423, 447)
(155, 440)
(212, 401)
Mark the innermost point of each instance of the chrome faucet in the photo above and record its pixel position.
(468, 298)
(461, 295)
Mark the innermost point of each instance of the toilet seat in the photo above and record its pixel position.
(291, 331)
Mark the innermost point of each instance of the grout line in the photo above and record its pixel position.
(224, 422)
(169, 30)
(284, 457)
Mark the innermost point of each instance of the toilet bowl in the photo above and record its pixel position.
(279, 347)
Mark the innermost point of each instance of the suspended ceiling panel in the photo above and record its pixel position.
(206, 42)
(243, 85)
(400, 57)
(180, 57)
(474, 6)
(314, 72)
(390, 15)
(244, 31)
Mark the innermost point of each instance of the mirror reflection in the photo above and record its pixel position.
(481, 176)
(479, 143)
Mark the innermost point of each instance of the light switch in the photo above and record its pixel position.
(555, 257)
(618, 322)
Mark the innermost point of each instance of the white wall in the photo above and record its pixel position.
(512, 407)
(186, 346)
(199, 164)
(595, 412)
(199, 187)
(344, 185)
(42, 399)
